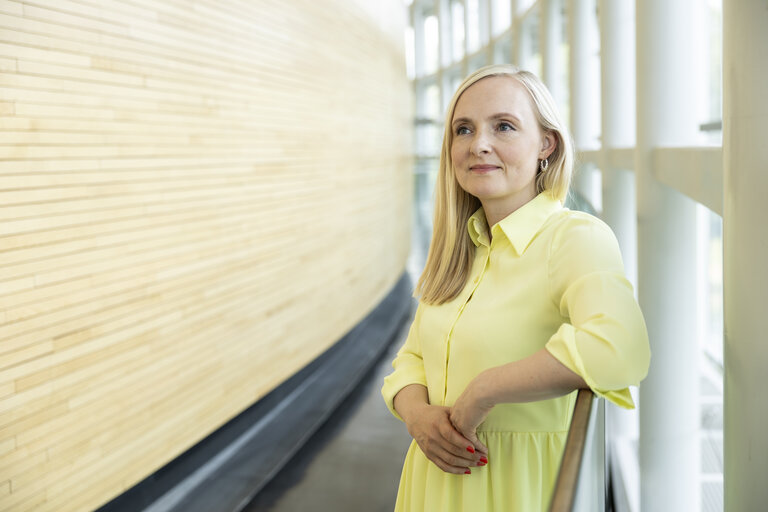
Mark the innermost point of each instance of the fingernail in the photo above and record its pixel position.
(483, 460)
(467, 472)
(470, 449)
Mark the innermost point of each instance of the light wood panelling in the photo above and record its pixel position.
(197, 198)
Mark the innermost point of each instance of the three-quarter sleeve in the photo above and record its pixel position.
(604, 339)
(408, 367)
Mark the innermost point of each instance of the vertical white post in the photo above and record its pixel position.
(669, 409)
(418, 39)
(445, 32)
(745, 238)
(486, 28)
(445, 42)
(522, 45)
(584, 85)
(549, 40)
(465, 62)
(617, 71)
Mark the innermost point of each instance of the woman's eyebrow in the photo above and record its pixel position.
(506, 115)
(461, 120)
(500, 115)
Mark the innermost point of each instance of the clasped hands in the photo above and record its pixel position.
(448, 435)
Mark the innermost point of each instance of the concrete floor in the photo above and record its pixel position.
(353, 461)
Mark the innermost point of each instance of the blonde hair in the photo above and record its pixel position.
(451, 250)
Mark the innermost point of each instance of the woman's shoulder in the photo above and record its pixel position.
(566, 221)
(580, 231)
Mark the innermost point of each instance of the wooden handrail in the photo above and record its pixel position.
(564, 493)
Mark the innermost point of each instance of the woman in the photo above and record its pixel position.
(522, 302)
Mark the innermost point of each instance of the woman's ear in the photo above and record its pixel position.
(548, 145)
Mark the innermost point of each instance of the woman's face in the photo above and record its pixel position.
(497, 143)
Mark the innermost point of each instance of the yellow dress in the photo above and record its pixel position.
(552, 278)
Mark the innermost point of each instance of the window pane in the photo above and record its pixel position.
(457, 21)
(473, 25)
(410, 63)
(502, 16)
(430, 44)
(502, 52)
(522, 5)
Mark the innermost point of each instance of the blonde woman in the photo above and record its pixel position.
(521, 303)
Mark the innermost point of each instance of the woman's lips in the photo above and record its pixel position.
(483, 168)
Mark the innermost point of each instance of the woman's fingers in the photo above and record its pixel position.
(480, 448)
(461, 445)
(457, 444)
(442, 444)
(451, 463)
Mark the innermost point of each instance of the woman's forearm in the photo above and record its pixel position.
(409, 399)
(537, 377)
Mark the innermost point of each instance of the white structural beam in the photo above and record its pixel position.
(584, 85)
(667, 287)
(745, 239)
(695, 172)
(550, 39)
(615, 160)
(617, 114)
(612, 158)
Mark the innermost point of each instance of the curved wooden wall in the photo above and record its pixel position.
(196, 199)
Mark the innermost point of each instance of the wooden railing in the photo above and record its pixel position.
(580, 485)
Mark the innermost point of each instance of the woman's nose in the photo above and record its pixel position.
(480, 144)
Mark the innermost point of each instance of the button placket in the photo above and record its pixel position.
(476, 283)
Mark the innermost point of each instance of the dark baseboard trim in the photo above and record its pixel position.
(224, 471)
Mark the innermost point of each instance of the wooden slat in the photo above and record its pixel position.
(196, 200)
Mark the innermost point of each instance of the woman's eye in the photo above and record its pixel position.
(505, 127)
(462, 130)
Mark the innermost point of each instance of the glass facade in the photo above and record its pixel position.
(482, 32)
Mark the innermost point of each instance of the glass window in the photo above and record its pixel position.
(473, 25)
(457, 22)
(713, 56)
(501, 16)
(530, 56)
(502, 51)
(428, 122)
(430, 102)
(523, 5)
(410, 52)
(430, 44)
(477, 62)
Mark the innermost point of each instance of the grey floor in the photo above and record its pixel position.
(352, 463)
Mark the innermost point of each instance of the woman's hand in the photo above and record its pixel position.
(441, 443)
(469, 411)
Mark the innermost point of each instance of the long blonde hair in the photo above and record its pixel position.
(451, 250)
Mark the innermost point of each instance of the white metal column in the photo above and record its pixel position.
(584, 83)
(745, 238)
(617, 71)
(669, 409)
(549, 41)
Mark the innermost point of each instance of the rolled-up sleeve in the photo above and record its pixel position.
(408, 367)
(604, 339)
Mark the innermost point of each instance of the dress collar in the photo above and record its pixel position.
(519, 226)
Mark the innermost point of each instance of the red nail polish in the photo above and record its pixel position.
(483, 460)
(470, 449)
(467, 472)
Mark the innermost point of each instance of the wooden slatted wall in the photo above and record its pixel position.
(196, 199)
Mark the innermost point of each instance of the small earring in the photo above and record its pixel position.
(544, 164)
